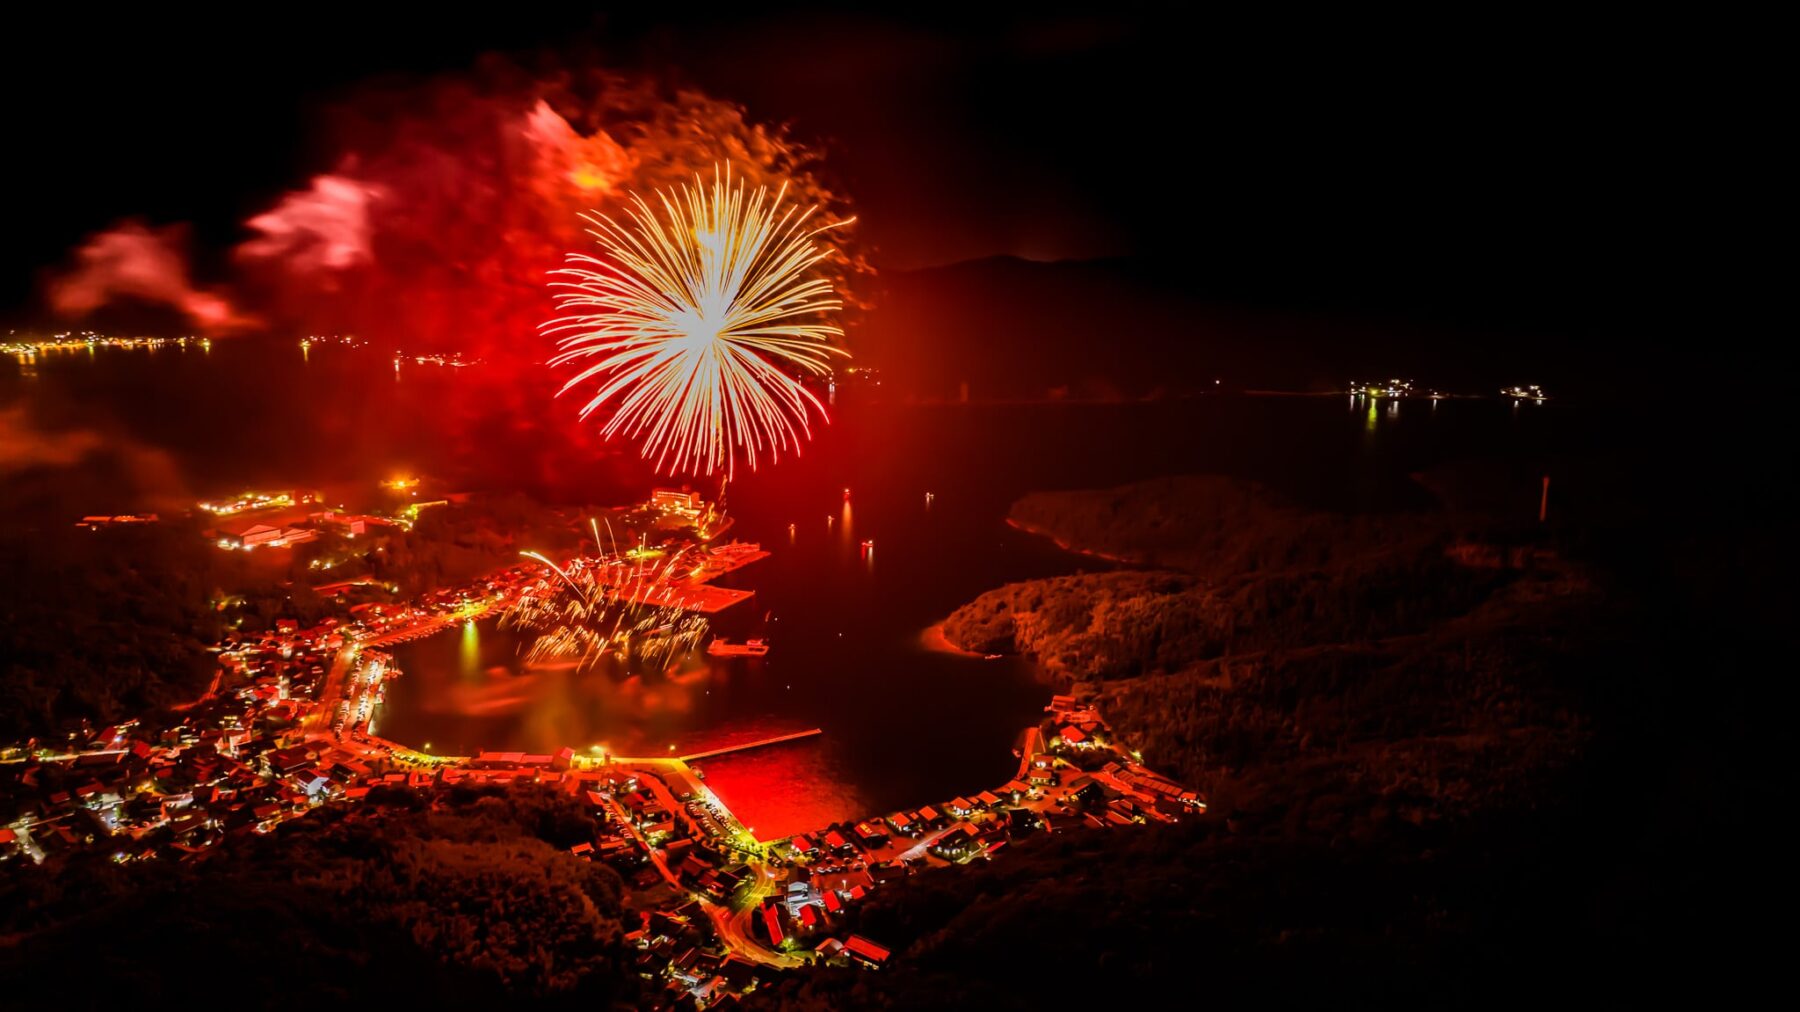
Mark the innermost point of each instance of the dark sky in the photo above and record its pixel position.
(1487, 168)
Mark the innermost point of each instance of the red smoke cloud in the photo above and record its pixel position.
(452, 201)
(471, 191)
(325, 228)
(448, 205)
(135, 262)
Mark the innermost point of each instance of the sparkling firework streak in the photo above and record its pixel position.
(594, 608)
(696, 321)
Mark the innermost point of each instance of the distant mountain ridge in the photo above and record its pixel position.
(1126, 328)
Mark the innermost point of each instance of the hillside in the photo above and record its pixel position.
(1397, 649)
(1436, 750)
(459, 899)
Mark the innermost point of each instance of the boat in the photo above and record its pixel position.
(748, 648)
(1399, 388)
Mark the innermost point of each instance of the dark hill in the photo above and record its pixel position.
(1127, 328)
(1449, 760)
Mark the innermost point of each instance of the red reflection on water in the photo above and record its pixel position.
(783, 789)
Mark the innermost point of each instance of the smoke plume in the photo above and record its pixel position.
(448, 203)
(136, 262)
(451, 200)
(320, 229)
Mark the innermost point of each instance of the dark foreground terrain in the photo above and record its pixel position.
(1453, 757)
(441, 899)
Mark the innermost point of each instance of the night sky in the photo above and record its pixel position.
(1513, 171)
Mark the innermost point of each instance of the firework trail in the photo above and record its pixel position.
(696, 321)
(598, 607)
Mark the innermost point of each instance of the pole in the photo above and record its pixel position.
(1544, 502)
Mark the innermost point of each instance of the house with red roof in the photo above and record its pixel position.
(772, 922)
(862, 949)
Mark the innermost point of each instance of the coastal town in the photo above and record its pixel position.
(287, 726)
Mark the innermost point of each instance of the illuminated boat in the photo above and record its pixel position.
(1388, 388)
(748, 648)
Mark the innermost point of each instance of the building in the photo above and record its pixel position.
(271, 535)
(800, 894)
(350, 524)
(681, 503)
(249, 501)
(772, 922)
(865, 951)
(956, 844)
(94, 523)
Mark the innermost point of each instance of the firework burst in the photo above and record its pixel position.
(700, 323)
(608, 606)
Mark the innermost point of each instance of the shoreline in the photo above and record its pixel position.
(934, 639)
(1036, 531)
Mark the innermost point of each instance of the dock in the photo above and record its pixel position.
(747, 746)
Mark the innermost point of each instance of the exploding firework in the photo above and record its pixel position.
(592, 609)
(699, 325)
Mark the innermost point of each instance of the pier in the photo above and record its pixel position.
(745, 747)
